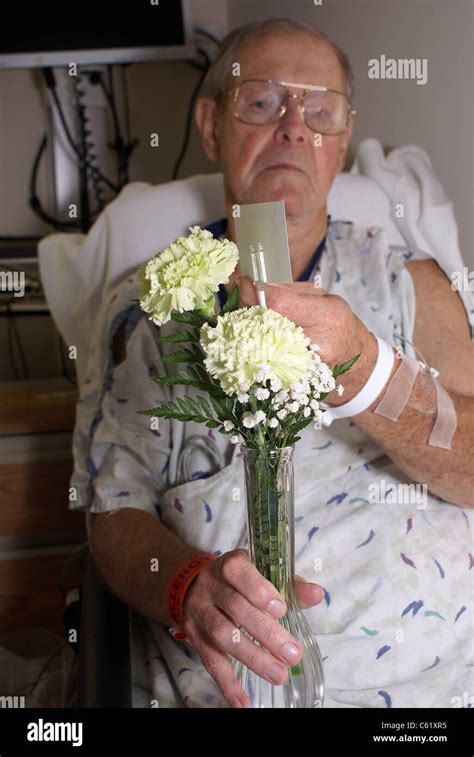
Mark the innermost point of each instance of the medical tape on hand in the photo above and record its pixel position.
(398, 393)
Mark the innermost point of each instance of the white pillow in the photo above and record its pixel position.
(78, 270)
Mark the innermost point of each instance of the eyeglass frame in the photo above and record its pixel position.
(306, 88)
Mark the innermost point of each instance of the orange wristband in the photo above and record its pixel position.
(181, 582)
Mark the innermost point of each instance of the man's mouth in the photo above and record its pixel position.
(283, 166)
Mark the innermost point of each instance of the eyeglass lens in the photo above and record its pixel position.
(261, 102)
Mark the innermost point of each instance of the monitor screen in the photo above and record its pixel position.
(57, 32)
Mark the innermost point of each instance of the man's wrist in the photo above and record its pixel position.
(181, 582)
(358, 375)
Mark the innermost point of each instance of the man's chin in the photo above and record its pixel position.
(296, 203)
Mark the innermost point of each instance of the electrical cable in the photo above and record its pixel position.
(85, 154)
(187, 130)
(88, 156)
(199, 30)
(51, 84)
(35, 202)
(122, 149)
(118, 143)
(126, 100)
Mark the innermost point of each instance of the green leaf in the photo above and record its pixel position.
(233, 301)
(186, 355)
(166, 410)
(338, 370)
(204, 376)
(179, 411)
(205, 383)
(205, 406)
(190, 316)
(301, 425)
(179, 336)
(194, 374)
(212, 424)
(181, 379)
(220, 408)
(183, 406)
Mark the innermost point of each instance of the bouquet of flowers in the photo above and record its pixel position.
(263, 378)
(261, 382)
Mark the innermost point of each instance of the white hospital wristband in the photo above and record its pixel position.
(369, 392)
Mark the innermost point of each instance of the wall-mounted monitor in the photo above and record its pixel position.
(59, 32)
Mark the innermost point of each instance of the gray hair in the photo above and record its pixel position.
(219, 76)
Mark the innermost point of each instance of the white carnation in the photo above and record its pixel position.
(250, 335)
(186, 275)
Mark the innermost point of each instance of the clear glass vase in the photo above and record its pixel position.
(270, 521)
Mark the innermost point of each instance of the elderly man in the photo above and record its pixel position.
(393, 612)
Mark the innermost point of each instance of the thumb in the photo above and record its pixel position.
(309, 594)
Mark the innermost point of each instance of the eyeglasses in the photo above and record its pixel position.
(264, 101)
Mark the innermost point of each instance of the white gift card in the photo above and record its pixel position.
(262, 225)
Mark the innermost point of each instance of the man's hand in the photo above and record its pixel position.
(328, 321)
(229, 593)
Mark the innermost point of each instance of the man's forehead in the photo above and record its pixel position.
(300, 58)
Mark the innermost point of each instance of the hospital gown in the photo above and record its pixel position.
(395, 625)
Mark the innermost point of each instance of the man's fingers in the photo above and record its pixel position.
(243, 576)
(249, 297)
(309, 594)
(264, 629)
(220, 669)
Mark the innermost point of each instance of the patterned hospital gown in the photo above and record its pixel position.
(395, 625)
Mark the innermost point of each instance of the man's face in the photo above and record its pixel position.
(248, 153)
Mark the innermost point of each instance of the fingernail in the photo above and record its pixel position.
(276, 607)
(275, 672)
(290, 651)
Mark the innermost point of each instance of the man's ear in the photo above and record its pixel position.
(344, 145)
(205, 115)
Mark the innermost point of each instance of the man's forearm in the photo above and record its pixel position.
(137, 557)
(447, 473)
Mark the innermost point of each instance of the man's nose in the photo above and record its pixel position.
(291, 125)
